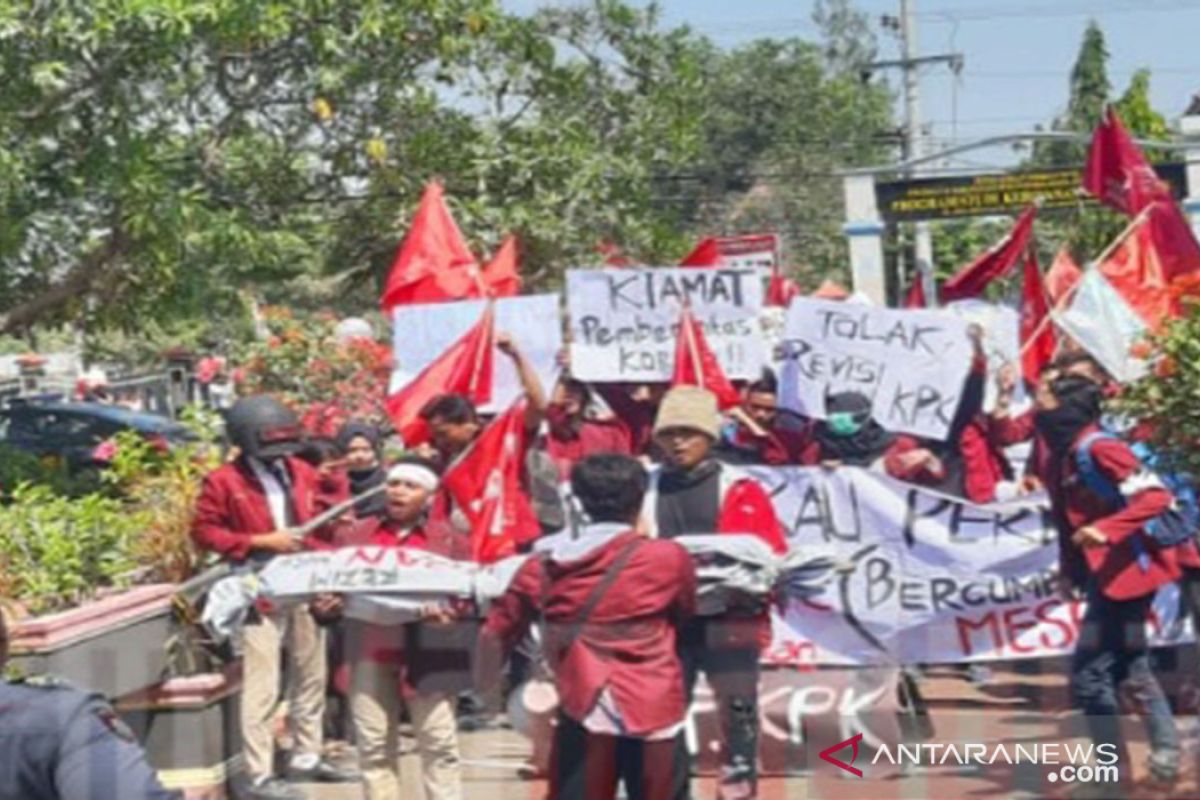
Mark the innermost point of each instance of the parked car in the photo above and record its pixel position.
(74, 431)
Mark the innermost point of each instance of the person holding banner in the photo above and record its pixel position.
(246, 512)
(754, 434)
(420, 665)
(612, 604)
(573, 434)
(1117, 567)
(693, 493)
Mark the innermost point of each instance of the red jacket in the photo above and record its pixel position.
(567, 448)
(1114, 565)
(635, 416)
(427, 657)
(780, 446)
(232, 506)
(983, 466)
(628, 643)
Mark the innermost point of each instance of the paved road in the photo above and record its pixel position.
(1014, 708)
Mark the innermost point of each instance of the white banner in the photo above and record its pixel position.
(912, 364)
(624, 321)
(1001, 341)
(421, 333)
(923, 578)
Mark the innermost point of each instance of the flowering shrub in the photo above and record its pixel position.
(1167, 400)
(326, 381)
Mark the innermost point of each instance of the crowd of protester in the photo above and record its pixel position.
(613, 474)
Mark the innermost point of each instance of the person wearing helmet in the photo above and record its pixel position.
(247, 512)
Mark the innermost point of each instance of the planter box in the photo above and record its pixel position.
(191, 731)
(114, 646)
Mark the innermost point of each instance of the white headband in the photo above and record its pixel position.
(415, 474)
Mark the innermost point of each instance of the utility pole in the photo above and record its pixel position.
(914, 135)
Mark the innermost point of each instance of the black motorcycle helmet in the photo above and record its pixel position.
(263, 428)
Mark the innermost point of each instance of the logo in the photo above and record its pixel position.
(852, 742)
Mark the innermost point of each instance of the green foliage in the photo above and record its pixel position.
(56, 551)
(1167, 399)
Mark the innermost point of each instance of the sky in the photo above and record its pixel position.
(1018, 53)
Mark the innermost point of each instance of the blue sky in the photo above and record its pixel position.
(1018, 52)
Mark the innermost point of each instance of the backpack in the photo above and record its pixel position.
(1175, 526)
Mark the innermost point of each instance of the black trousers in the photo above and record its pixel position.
(589, 766)
(726, 651)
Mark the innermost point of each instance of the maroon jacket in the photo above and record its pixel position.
(232, 506)
(628, 644)
(1114, 565)
(780, 446)
(567, 447)
(427, 657)
(635, 416)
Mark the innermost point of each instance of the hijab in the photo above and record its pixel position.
(362, 480)
(848, 433)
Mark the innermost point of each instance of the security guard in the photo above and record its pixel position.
(57, 743)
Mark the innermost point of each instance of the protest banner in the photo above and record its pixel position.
(758, 251)
(922, 577)
(911, 364)
(624, 321)
(1001, 342)
(422, 332)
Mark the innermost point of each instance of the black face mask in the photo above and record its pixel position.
(1079, 407)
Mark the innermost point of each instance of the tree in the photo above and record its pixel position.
(1090, 89)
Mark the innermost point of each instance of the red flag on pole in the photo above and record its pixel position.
(433, 263)
(1037, 335)
(706, 254)
(465, 368)
(781, 290)
(916, 293)
(1158, 249)
(1117, 172)
(1064, 273)
(485, 484)
(501, 275)
(697, 365)
(995, 263)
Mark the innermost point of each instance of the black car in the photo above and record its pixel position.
(72, 431)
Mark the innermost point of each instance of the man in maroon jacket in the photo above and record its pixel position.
(612, 602)
(246, 512)
(1101, 515)
(573, 434)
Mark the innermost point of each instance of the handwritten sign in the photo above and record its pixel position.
(624, 321)
(1001, 342)
(420, 333)
(911, 364)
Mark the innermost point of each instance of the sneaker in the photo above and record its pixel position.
(323, 772)
(271, 789)
(1164, 766)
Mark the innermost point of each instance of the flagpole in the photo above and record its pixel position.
(1070, 293)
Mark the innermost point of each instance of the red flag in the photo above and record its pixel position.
(1037, 334)
(706, 254)
(612, 254)
(916, 293)
(485, 483)
(831, 290)
(1158, 250)
(465, 368)
(1117, 172)
(501, 275)
(1064, 273)
(433, 263)
(997, 262)
(697, 365)
(781, 290)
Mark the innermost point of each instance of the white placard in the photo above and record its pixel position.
(1001, 341)
(624, 321)
(912, 364)
(420, 333)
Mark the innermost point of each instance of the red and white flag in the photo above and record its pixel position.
(433, 264)
(1158, 249)
(1062, 276)
(697, 365)
(1117, 172)
(705, 254)
(997, 262)
(485, 485)
(464, 368)
(501, 275)
(1038, 342)
(781, 290)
